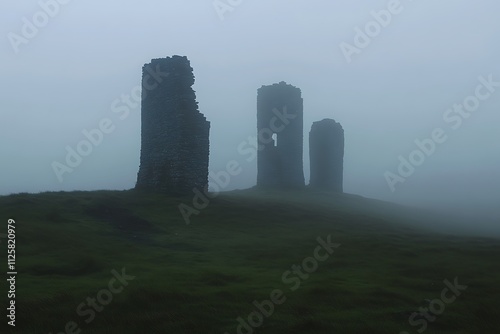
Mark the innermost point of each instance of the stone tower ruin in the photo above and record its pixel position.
(280, 136)
(174, 134)
(326, 152)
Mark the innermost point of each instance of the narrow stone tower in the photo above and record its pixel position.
(326, 151)
(174, 134)
(280, 127)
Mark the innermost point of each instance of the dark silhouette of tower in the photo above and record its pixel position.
(280, 136)
(174, 134)
(326, 152)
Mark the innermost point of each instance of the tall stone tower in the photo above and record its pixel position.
(326, 151)
(280, 127)
(174, 134)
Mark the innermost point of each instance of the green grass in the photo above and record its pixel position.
(200, 278)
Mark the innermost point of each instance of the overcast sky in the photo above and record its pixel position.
(387, 90)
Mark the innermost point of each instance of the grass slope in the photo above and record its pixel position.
(200, 278)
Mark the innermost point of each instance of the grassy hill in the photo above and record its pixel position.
(127, 262)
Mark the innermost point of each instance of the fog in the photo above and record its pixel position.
(395, 88)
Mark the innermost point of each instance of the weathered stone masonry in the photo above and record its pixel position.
(326, 151)
(174, 134)
(280, 162)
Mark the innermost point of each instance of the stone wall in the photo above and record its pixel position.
(280, 114)
(326, 151)
(174, 134)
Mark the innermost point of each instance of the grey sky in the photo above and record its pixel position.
(394, 91)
